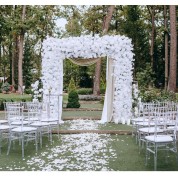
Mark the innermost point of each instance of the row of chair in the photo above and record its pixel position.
(26, 121)
(155, 127)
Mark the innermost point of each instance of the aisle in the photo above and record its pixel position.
(84, 152)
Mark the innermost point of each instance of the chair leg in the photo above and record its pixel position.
(155, 158)
(58, 130)
(146, 160)
(9, 144)
(50, 135)
(22, 142)
(40, 135)
(36, 141)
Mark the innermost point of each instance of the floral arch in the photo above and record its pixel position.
(118, 49)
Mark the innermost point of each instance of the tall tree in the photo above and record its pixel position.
(106, 22)
(166, 45)
(173, 50)
(151, 10)
(21, 42)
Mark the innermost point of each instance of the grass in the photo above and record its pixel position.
(126, 157)
(15, 97)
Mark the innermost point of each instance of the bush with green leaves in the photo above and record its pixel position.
(71, 85)
(73, 100)
(154, 94)
(146, 77)
(2, 103)
(85, 91)
(5, 87)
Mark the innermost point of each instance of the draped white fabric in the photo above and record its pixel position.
(118, 49)
(109, 94)
(84, 62)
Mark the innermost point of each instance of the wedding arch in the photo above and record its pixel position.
(118, 49)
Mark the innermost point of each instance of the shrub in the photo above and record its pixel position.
(5, 87)
(85, 91)
(73, 100)
(154, 94)
(2, 103)
(90, 97)
(28, 91)
(71, 85)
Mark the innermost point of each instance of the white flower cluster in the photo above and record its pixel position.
(37, 92)
(118, 48)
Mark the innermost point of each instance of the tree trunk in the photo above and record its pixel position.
(166, 47)
(173, 50)
(106, 22)
(151, 10)
(13, 60)
(20, 72)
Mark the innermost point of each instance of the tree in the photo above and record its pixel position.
(173, 50)
(21, 41)
(106, 22)
(151, 10)
(166, 46)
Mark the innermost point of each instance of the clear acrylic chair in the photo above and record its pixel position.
(19, 132)
(161, 141)
(48, 118)
(34, 110)
(144, 126)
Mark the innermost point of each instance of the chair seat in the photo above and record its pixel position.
(19, 122)
(3, 121)
(159, 138)
(24, 129)
(53, 123)
(139, 119)
(4, 127)
(39, 124)
(49, 119)
(33, 119)
(145, 123)
(150, 130)
(172, 128)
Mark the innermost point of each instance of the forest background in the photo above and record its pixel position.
(152, 29)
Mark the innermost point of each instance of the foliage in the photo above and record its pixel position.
(70, 71)
(90, 97)
(154, 94)
(28, 91)
(73, 100)
(85, 80)
(5, 87)
(2, 104)
(28, 64)
(71, 85)
(85, 91)
(145, 77)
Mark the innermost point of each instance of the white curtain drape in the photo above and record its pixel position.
(108, 102)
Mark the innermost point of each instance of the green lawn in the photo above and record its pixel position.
(83, 152)
(14, 96)
(120, 153)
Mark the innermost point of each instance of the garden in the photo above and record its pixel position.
(84, 144)
(99, 94)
